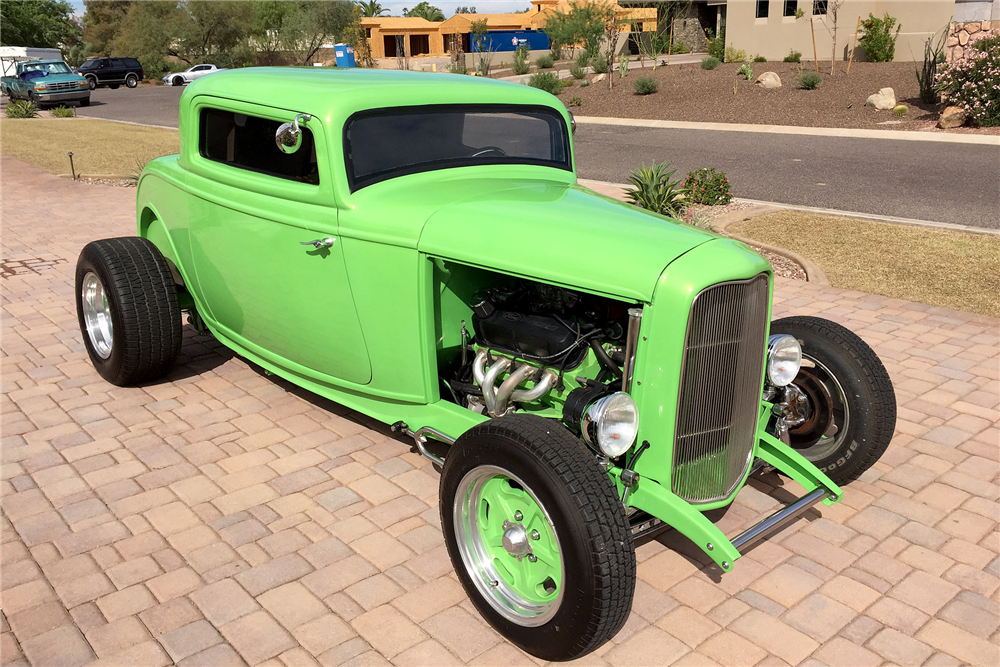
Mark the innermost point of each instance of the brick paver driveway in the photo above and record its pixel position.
(223, 517)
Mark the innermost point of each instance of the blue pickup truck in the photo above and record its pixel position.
(46, 82)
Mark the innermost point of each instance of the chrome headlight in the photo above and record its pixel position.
(41, 86)
(611, 424)
(784, 357)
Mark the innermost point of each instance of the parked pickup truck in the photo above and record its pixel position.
(46, 82)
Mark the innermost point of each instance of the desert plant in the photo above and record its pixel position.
(710, 62)
(878, 39)
(584, 83)
(599, 65)
(583, 59)
(760, 59)
(646, 85)
(574, 102)
(63, 112)
(655, 189)
(458, 67)
(679, 47)
(809, 80)
(21, 109)
(547, 81)
(734, 55)
(793, 57)
(927, 74)
(545, 62)
(577, 71)
(900, 110)
(973, 83)
(696, 217)
(717, 45)
(622, 66)
(485, 49)
(708, 186)
(746, 70)
(520, 63)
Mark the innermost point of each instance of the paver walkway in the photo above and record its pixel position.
(223, 517)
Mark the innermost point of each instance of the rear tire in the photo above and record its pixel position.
(848, 386)
(126, 302)
(131, 81)
(548, 491)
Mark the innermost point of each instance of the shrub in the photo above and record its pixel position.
(21, 109)
(710, 62)
(717, 46)
(599, 65)
(577, 72)
(583, 59)
(734, 55)
(654, 190)
(63, 112)
(707, 186)
(646, 85)
(746, 70)
(521, 65)
(545, 62)
(584, 83)
(810, 80)
(679, 47)
(973, 83)
(878, 39)
(793, 57)
(574, 102)
(760, 59)
(547, 81)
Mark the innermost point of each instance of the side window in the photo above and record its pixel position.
(118, 63)
(248, 142)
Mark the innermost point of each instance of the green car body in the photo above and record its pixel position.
(366, 324)
(53, 88)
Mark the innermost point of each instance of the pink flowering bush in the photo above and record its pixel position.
(973, 83)
(707, 186)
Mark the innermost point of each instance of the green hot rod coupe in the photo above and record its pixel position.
(416, 247)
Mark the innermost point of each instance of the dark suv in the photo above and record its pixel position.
(111, 72)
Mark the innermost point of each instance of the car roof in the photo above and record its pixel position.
(336, 93)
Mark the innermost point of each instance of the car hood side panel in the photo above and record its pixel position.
(562, 234)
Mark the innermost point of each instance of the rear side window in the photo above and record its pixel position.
(117, 63)
(248, 142)
(131, 62)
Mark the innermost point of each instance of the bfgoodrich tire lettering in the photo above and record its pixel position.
(142, 300)
(599, 569)
(867, 394)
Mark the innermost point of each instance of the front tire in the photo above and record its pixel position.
(178, 81)
(126, 302)
(131, 81)
(538, 536)
(850, 405)
(92, 82)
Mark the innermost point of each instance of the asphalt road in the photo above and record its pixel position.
(941, 182)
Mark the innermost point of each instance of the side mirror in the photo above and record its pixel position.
(289, 135)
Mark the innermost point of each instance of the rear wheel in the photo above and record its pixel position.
(538, 536)
(847, 406)
(131, 80)
(126, 302)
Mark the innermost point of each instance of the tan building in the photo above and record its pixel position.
(769, 28)
(436, 38)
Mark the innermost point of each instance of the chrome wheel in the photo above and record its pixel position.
(97, 315)
(825, 413)
(509, 546)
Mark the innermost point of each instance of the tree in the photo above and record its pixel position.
(314, 24)
(147, 33)
(583, 26)
(42, 23)
(101, 21)
(612, 27)
(833, 8)
(465, 10)
(483, 43)
(267, 26)
(354, 34)
(371, 8)
(426, 11)
(215, 31)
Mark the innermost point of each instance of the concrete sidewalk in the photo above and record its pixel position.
(224, 517)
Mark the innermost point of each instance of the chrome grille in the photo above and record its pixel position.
(720, 389)
(63, 85)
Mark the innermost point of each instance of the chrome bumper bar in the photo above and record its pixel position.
(777, 521)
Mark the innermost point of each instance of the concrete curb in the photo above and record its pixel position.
(898, 135)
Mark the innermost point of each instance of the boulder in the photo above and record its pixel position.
(952, 117)
(768, 80)
(884, 99)
(599, 77)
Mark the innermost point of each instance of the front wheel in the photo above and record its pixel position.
(92, 82)
(538, 536)
(126, 302)
(846, 407)
(131, 81)
(178, 81)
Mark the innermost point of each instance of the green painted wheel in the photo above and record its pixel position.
(509, 545)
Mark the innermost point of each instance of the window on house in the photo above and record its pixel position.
(790, 7)
(762, 8)
(819, 7)
(248, 142)
(368, 33)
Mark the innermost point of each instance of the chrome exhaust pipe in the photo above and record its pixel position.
(498, 399)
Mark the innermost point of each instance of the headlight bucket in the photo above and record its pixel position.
(784, 358)
(611, 424)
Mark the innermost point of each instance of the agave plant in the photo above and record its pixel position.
(655, 189)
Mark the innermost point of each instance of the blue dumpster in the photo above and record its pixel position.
(345, 55)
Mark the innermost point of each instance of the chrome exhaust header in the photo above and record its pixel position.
(500, 397)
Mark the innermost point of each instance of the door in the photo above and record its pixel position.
(104, 70)
(118, 69)
(255, 212)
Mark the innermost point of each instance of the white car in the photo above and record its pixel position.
(190, 74)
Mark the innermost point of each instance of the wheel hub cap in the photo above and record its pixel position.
(515, 540)
(97, 315)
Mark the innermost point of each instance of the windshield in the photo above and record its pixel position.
(44, 69)
(386, 143)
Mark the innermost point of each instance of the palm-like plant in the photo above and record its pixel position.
(655, 191)
(426, 11)
(371, 8)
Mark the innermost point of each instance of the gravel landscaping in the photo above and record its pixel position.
(689, 93)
